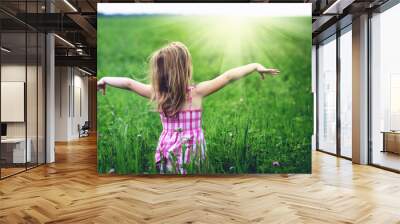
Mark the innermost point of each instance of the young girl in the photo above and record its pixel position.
(179, 102)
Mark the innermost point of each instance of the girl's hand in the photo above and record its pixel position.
(124, 83)
(101, 85)
(263, 70)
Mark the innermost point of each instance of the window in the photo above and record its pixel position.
(327, 95)
(385, 89)
(346, 92)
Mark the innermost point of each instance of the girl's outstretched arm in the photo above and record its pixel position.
(208, 87)
(125, 83)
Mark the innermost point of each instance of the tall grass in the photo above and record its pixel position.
(248, 125)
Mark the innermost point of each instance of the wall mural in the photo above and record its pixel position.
(204, 88)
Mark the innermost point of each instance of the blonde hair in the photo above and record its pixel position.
(170, 73)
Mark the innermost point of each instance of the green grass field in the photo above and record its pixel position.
(247, 125)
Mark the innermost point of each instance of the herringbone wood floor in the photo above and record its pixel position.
(70, 191)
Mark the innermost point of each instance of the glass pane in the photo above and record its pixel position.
(41, 98)
(386, 89)
(13, 86)
(327, 96)
(31, 98)
(31, 87)
(23, 90)
(346, 94)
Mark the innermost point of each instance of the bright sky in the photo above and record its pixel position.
(224, 9)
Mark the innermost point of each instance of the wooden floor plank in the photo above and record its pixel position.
(71, 191)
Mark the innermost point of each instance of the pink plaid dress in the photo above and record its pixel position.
(182, 136)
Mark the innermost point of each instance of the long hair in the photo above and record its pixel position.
(170, 73)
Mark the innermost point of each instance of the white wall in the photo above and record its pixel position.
(71, 94)
(62, 81)
(81, 88)
(16, 73)
(12, 73)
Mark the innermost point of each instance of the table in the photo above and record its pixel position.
(391, 141)
(15, 148)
